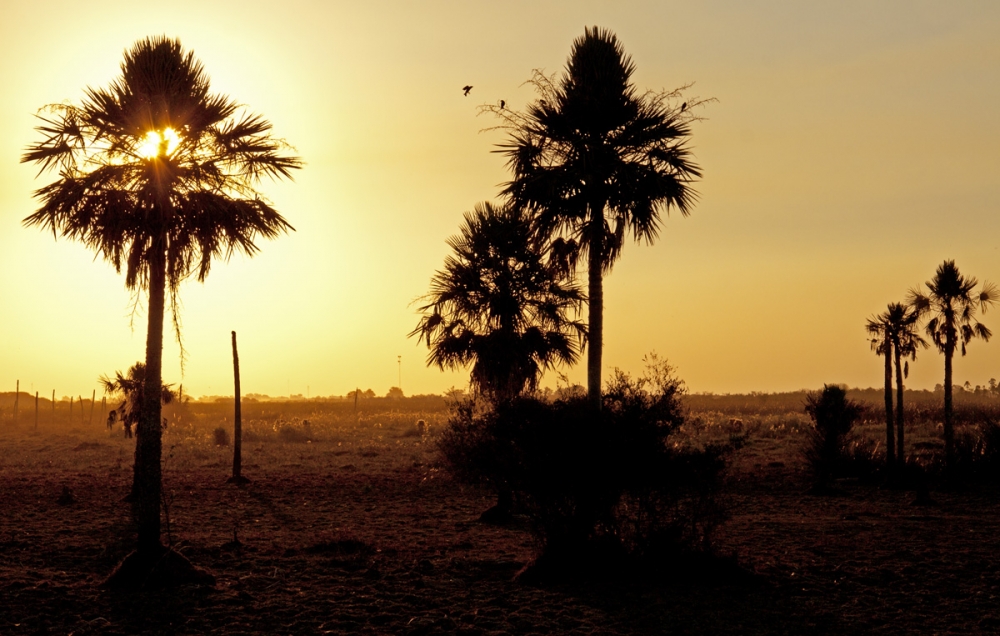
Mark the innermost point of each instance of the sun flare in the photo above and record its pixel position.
(157, 143)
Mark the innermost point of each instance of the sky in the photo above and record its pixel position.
(852, 148)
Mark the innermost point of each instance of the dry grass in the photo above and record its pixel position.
(351, 526)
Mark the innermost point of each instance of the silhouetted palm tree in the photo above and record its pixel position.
(905, 342)
(594, 160)
(159, 176)
(894, 336)
(879, 328)
(499, 306)
(952, 302)
(130, 388)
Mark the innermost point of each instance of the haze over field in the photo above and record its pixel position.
(853, 148)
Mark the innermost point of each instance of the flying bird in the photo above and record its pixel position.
(466, 89)
(502, 104)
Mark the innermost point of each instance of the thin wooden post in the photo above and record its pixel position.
(36, 410)
(80, 402)
(237, 477)
(104, 407)
(53, 406)
(17, 397)
(71, 409)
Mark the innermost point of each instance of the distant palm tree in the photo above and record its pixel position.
(905, 342)
(952, 302)
(595, 161)
(879, 328)
(159, 176)
(130, 388)
(499, 306)
(894, 336)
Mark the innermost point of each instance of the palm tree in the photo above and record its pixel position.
(595, 160)
(952, 302)
(905, 342)
(130, 388)
(879, 328)
(159, 176)
(894, 336)
(500, 306)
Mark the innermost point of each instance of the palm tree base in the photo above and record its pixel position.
(239, 480)
(164, 568)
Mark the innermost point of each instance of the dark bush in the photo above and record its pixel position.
(977, 451)
(293, 435)
(604, 484)
(221, 436)
(827, 453)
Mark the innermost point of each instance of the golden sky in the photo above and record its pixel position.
(855, 145)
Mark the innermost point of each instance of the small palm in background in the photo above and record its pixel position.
(501, 306)
(129, 389)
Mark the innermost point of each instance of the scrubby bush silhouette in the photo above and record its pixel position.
(221, 436)
(600, 487)
(977, 452)
(834, 416)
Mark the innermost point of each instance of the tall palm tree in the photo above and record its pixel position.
(905, 342)
(500, 306)
(894, 336)
(159, 177)
(594, 160)
(952, 302)
(879, 328)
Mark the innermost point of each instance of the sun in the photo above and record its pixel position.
(157, 143)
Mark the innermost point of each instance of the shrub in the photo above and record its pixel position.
(833, 417)
(221, 436)
(293, 435)
(977, 451)
(608, 483)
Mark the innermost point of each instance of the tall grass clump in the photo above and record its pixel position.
(601, 488)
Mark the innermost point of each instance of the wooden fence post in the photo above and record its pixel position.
(17, 397)
(237, 477)
(93, 395)
(36, 410)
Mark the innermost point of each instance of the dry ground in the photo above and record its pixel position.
(360, 531)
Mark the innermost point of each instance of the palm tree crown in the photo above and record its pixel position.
(155, 158)
(594, 161)
(500, 306)
(952, 302)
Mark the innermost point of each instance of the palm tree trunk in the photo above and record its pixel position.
(148, 445)
(890, 444)
(949, 431)
(900, 449)
(595, 307)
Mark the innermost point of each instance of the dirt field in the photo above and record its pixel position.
(360, 531)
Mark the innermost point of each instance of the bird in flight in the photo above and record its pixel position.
(466, 89)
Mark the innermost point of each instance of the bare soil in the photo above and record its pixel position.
(361, 531)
